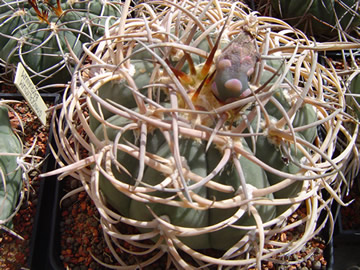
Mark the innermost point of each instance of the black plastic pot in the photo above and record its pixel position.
(45, 241)
(346, 245)
(347, 249)
(43, 232)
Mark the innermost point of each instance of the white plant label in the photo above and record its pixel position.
(28, 90)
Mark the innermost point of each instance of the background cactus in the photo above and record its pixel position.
(10, 172)
(321, 18)
(207, 168)
(354, 98)
(47, 36)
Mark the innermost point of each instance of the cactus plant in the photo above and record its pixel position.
(200, 124)
(47, 36)
(321, 18)
(11, 173)
(354, 99)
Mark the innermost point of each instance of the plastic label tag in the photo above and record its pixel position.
(30, 93)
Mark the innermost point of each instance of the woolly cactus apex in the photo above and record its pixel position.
(233, 68)
(47, 36)
(206, 178)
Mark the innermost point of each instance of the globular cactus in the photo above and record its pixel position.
(205, 128)
(354, 98)
(10, 172)
(47, 36)
(321, 18)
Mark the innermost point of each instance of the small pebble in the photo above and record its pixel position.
(93, 223)
(69, 240)
(74, 184)
(93, 265)
(33, 173)
(68, 221)
(132, 260)
(317, 265)
(101, 257)
(35, 201)
(73, 198)
(66, 203)
(99, 246)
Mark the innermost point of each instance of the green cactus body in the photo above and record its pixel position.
(11, 174)
(271, 153)
(35, 33)
(354, 101)
(268, 149)
(199, 161)
(319, 17)
(256, 177)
